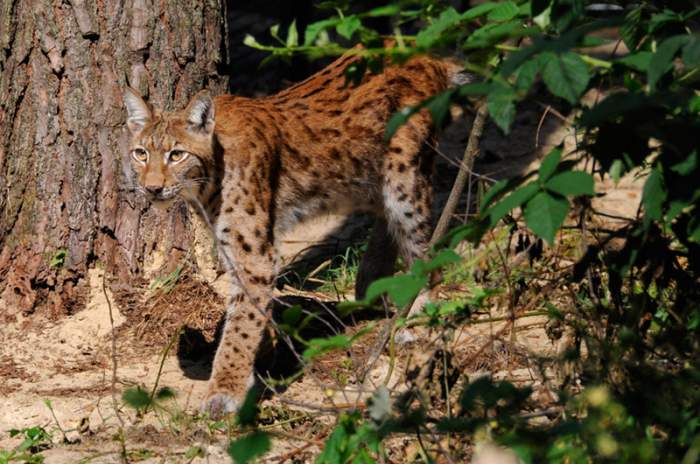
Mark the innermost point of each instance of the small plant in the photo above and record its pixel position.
(255, 443)
(58, 259)
(167, 283)
(341, 277)
(142, 401)
(36, 440)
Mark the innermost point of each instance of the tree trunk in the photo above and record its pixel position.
(64, 202)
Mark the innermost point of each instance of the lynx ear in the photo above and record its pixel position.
(200, 113)
(138, 113)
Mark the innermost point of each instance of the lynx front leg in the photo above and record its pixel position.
(250, 261)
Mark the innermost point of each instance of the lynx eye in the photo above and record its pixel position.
(176, 156)
(140, 155)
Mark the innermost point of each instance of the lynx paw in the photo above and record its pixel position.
(220, 404)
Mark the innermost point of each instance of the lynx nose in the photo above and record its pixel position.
(154, 190)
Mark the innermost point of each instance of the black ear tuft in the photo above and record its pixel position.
(200, 113)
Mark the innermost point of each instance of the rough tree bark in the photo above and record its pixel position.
(63, 193)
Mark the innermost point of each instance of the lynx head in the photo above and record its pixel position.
(170, 152)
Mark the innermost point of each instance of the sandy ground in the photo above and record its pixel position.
(59, 374)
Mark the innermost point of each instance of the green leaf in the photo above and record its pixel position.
(348, 26)
(687, 166)
(402, 289)
(503, 12)
(544, 18)
(472, 231)
(474, 89)
(501, 106)
(589, 41)
(549, 164)
(515, 199)
(677, 207)
(518, 58)
(250, 41)
(442, 259)
(398, 119)
(275, 32)
(694, 104)
(616, 169)
(544, 214)
(314, 29)
(662, 61)
(249, 409)
(654, 194)
(165, 393)
(526, 75)
(388, 10)
(571, 183)
(249, 447)
(447, 19)
(336, 449)
(639, 61)
(136, 397)
(439, 107)
(565, 75)
(691, 52)
(292, 315)
(478, 10)
(292, 35)
(319, 346)
(631, 29)
(58, 259)
(493, 32)
(495, 190)
(694, 230)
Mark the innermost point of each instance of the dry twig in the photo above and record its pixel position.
(470, 153)
(115, 404)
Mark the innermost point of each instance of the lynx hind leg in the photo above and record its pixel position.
(407, 189)
(379, 259)
(407, 193)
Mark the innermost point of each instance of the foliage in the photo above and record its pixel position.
(141, 400)
(167, 282)
(254, 444)
(339, 276)
(36, 439)
(249, 447)
(58, 258)
(636, 306)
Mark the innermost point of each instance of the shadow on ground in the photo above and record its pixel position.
(280, 355)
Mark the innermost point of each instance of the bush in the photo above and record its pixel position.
(636, 305)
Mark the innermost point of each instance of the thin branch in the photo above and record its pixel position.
(173, 339)
(470, 154)
(115, 404)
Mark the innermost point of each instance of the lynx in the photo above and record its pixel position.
(253, 168)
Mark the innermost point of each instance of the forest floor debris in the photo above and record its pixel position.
(57, 374)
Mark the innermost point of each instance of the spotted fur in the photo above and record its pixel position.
(255, 167)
